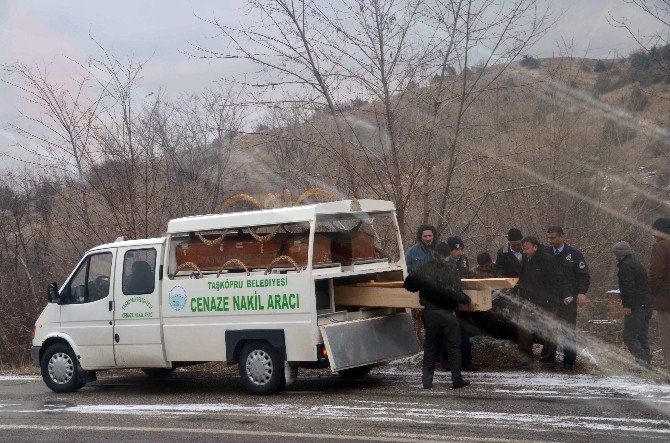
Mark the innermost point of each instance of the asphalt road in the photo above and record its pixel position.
(388, 405)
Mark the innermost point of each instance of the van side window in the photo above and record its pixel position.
(139, 274)
(91, 281)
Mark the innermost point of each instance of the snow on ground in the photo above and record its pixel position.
(376, 411)
(19, 378)
(559, 385)
(427, 409)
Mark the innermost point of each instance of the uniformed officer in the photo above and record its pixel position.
(576, 271)
(458, 258)
(461, 265)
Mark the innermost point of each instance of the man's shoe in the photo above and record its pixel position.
(471, 367)
(567, 367)
(547, 366)
(427, 380)
(458, 382)
(521, 365)
(641, 368)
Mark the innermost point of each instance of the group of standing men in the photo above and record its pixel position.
(553, 280)
(643, 294)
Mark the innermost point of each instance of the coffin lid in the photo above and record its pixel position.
(330, 210)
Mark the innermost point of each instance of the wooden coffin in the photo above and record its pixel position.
(297, 246)
(244, 248)
(480, 291)
(390, 297)
(393, 294)
(251, 252)
(488, 283)
(348, 247)
(376, 296)
(483, 299)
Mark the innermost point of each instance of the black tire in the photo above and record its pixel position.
(261, 368)
(357, 372)
(158, 372)
(60, 369)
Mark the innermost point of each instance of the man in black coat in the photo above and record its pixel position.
(637, 310)
(571, 262)
(541, 286)
(439, 294)
(510, 256)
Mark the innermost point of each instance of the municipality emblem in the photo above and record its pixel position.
(177, 298)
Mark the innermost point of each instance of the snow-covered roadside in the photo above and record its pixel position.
(379, 411)
(556, 384)
(19, 377)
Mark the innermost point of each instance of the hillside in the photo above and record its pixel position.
(574, 142)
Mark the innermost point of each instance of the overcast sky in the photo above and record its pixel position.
(43, 31)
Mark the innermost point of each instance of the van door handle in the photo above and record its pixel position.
(111, 305)
(116, 338)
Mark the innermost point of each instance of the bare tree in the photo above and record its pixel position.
(659, 10)
(402, 56)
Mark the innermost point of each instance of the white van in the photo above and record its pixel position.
(251, 288)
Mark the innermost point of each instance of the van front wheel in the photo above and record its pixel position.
(261, 368)
(60, 369)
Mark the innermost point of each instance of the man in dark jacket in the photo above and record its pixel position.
(439, 294)
(542, 286)
(458, 258)
(485, 267)
(659, 281)
(426, 239)
(510, 256)
(460, 263)
(571, 262)
(634, 291)
(508, 265)
(496, 322)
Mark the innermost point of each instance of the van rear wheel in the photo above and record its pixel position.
(60, 369)
(261, 368)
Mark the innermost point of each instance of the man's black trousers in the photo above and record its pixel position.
(636, 334)
(442, 329)
(568, 313)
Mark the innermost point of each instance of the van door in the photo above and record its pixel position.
(86, 311)
(137, 327)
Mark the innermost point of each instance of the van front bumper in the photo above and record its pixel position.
(35, 355)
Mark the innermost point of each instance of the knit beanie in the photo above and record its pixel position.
(622, 248)
(455, 243)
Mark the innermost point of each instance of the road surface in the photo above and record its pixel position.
(389, 405)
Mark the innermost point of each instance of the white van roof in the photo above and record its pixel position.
(131, 243)
(293, 214)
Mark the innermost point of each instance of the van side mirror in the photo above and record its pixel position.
(52, 293)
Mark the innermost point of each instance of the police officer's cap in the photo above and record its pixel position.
(455, 243)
